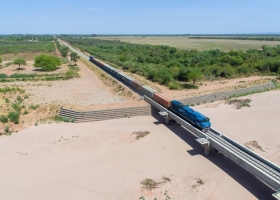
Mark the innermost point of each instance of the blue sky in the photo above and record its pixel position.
(139, 16)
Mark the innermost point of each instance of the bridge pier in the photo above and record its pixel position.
(165, 116)
(206, 144)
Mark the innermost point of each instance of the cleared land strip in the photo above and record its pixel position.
(99, 115)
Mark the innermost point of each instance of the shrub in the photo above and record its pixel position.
(4, 119)
(47, 63)
(7, 129)
(16, 107)
(25, 112)
(70, 74)
(14, 117)
(34, 107)
(19, 98)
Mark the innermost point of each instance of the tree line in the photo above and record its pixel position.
(171, 66)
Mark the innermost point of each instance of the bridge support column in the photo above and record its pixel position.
(165, 116)
(206, 144)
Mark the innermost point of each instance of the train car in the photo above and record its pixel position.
(137, 85)
(161, 100)
(149, 92)
(128, 79)
(194, 117)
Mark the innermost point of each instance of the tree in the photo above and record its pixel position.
(47, 63)
(194, 76)
(19, 61)
(74, 57)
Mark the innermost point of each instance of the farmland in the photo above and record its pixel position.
(186, 43)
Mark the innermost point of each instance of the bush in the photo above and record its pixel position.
(14, 117)
(7, 129)
(4, 119)
(16, 107)
(47, 63)
(34, 107)
(70, 74)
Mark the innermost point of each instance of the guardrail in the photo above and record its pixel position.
(266, 171)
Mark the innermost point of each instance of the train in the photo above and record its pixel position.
(195, 118)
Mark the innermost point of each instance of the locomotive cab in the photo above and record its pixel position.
(204, 124)
(91, 57)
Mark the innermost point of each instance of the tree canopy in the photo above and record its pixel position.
(47, 63)
(19, 62)
(194, 76)
(74, 57)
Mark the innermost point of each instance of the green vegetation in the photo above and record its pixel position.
(17, 44)
(63, 49)
(74, 57)
(4, 119)
(34, 107)
(194, 76)
(63, 119)
(19, 62)
(14, 117)
(11, 90)
(47, 63)
(170, 66)
(0, 61)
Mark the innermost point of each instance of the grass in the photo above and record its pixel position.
(239, 103)
(58, 118)
(151, 184)
(254, 144)
(141, 134)
(182, 42)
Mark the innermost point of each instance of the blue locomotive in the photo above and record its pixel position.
(194, 117)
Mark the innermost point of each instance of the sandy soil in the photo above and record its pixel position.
(103, 160)
(29, 69)
(256, 123)
(83, 91)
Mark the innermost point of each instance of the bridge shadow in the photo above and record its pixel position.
(257, 188)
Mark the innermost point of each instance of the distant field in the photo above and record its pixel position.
(199, 44)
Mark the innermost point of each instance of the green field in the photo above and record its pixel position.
(186, 43)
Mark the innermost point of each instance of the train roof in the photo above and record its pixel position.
(188, 109)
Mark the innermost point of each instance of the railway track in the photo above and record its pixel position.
(275, 173)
